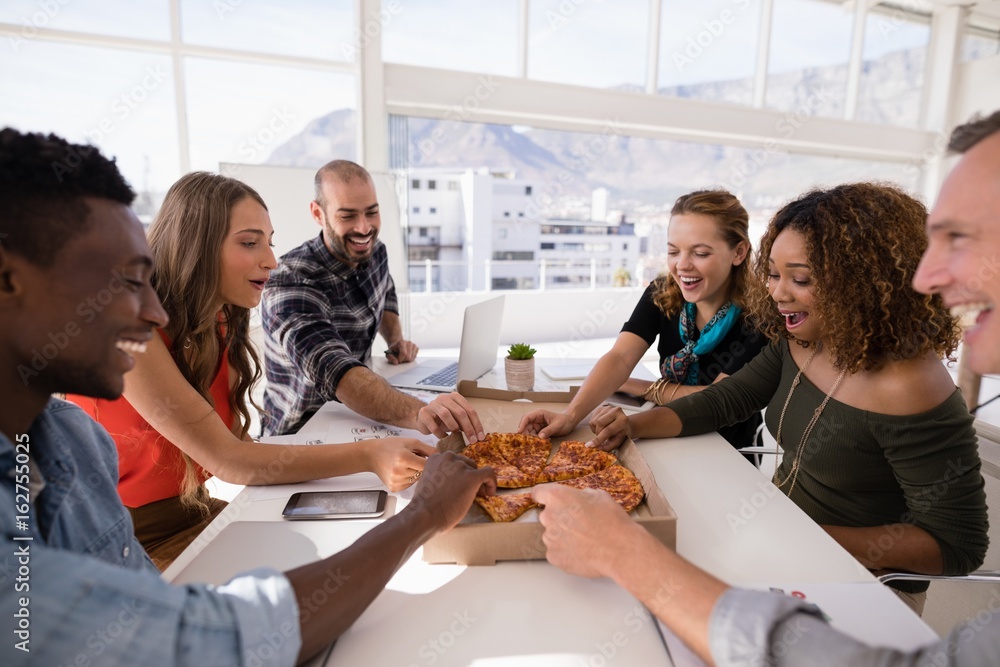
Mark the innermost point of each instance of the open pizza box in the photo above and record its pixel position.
(477, 540)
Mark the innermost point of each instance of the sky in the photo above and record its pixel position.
(124, 100)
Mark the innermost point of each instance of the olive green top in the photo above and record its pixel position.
(862, 468)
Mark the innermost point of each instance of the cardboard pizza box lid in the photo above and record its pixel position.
(471, 389)
(477, 540)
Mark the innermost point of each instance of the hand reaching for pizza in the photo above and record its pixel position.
(546, 423)
(610, 426)
(449, 413)
(448, 486)
(397, 461)
(583, 529)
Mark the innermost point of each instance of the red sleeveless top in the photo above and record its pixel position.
(150, 467)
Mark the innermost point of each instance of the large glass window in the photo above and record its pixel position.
(288, 116)
(149, 19)
(708, 50)
(766, 181)
(643, 176)
(310, 28)
(123, 100)
(452, 34)
(120, 101)
(979, 43)
(809, 53)
(600, 44)
(892, 75)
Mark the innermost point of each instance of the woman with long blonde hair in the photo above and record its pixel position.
(696, 312)
(185, 414)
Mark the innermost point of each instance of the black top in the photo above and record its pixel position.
(739, 346)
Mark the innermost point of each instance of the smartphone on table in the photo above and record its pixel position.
(335, 505)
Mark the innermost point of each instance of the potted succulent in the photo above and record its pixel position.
(519, 367)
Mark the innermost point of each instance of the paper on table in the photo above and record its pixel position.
(294, 439)
(352, 429)
(368, 430)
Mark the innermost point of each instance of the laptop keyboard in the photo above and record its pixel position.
(445, 377)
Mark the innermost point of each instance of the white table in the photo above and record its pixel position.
(731, 521)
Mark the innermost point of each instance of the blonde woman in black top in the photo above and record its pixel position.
(696, 312)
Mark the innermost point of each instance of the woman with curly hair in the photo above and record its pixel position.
(878, 444)
(696, 311)
(185, 412)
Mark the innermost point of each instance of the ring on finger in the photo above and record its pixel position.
(412, 479)
(417, 474)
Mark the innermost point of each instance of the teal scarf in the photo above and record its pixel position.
(682, 366)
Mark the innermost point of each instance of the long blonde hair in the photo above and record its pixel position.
(733, 223)
(186, 239)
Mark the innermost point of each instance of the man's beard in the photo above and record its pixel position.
(340, 249)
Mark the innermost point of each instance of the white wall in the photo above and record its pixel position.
(529, 316)
(977, 89)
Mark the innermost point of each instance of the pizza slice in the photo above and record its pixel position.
(575, 459)
(506, 507)
(516, 458)
(527, 452)
(618, 481)
(485, 453)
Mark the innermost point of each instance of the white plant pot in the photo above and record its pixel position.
(520, 373)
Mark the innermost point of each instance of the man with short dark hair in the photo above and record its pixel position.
(321, 310)
(586, 532)
(76, 587)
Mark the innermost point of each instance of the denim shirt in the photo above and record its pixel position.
(765, 629)
(77, 588)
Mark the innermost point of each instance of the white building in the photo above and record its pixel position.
(477, 230)
(434, 231)
(578, 253)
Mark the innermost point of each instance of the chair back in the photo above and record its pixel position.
(950, 602)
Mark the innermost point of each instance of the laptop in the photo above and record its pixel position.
(476, 356)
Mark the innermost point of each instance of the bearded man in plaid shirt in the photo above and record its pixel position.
(322, 308)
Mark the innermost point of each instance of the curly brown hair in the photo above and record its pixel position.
(864, 242)
(732, 222)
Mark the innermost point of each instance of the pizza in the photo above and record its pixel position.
(507, 507)
(516, 458)
(575, 459)
(527, 452)
(509, 476)
(519, 461)
(618, 481)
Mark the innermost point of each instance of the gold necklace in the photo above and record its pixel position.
(793, 474)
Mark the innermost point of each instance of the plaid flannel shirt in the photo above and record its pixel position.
(320, 318)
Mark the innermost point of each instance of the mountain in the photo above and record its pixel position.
(327, 138)
(650, 172)
(471, 145)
